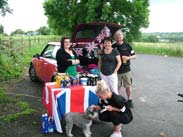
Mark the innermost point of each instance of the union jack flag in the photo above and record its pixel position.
(59, 101)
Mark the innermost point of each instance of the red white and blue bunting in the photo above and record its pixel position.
(105, 32)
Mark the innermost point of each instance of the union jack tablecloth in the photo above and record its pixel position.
(59, 101)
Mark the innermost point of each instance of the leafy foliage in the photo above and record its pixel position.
(4, 8)
(163, 36)
(17, 31)
(1, 29)
(3, 96)
(44, 30)
(19, 52)
(64, 15)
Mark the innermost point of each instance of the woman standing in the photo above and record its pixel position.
(66, 58)
(108, 64)
(112, 108)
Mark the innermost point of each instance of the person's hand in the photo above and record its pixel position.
(115, 72)
(126, 57)
(75, 62)
(92, 106)
(109, 108)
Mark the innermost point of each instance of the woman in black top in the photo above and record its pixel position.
(112, 108)
(109, 62)
(66, 58)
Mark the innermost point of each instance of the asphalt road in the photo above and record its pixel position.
(156, 81)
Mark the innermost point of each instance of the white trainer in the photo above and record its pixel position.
(116, 134)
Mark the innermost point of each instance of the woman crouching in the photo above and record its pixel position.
(112, 108)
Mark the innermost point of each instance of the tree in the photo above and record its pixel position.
(4, 8)
(131, 14)
(1, 29)
(18, 32)
(150, 38)
(44, 30)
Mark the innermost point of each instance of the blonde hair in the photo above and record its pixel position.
(118, 33)
(102, 87)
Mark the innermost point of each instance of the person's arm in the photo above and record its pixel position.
(99, 62)
(76, 61)
(132, 55)
(118, 100)
(118, 58)
(111, 108)
(64, 59)
(95, 107)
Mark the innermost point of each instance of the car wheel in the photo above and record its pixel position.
(32, 73)
(53, 78)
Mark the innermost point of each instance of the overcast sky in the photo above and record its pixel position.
(165, 16)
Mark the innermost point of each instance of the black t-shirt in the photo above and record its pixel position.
(109, 62)
(125, 50)
(116, 101)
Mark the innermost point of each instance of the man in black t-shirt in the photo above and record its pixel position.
(124, 72)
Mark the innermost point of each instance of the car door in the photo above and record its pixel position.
(45, 65)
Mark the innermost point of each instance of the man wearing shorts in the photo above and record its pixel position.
(124, 73)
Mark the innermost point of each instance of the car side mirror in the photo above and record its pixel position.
(36, 56)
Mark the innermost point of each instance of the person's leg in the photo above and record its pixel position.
(105, 116)
(117, 124)
(127, 80)
(129, 93)
(113, 83)
(117, 128)
(104, 77)
(120, 82)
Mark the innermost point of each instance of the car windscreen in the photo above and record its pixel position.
(50, 51)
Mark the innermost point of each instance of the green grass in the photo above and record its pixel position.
(25, 110)
(169, 49)
(23, 107)
(4, 97)
(14, 58)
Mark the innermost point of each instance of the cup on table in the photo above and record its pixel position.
(83, 81)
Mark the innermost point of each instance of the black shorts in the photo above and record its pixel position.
(116, 117)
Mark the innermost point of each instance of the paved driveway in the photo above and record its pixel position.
(157, 79)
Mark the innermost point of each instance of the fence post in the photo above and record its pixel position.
(11, 42)
(29, 41)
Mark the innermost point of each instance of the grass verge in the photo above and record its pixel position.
(12, 109)
(169, 49)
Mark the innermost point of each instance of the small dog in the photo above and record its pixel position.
(82, 120)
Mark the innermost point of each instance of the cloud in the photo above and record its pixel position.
(27, 15)
(166, 17)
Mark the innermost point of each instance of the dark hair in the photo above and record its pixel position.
(62, 41)
(107, 39)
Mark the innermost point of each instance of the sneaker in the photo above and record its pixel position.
(116, 134)
(131, 103)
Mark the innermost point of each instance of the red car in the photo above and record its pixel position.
(86, 39)
(43, 66)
